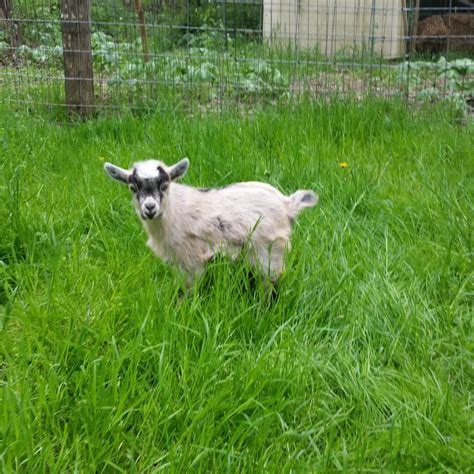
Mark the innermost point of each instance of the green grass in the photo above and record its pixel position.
(363, 361)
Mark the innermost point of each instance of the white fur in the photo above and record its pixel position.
(149, 168)
(194, 225)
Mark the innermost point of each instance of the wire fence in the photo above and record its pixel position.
(209, 54)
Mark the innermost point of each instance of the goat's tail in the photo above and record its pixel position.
(300, 200)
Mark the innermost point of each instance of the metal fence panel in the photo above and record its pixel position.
(210, 54)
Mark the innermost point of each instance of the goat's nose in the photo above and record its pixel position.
(149, 206)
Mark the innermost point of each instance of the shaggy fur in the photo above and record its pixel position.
(188, 226)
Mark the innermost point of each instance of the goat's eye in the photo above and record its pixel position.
(164, 187)
(132, 188)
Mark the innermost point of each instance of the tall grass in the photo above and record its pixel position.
(363, 361)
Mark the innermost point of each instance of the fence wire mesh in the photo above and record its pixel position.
(210, 54)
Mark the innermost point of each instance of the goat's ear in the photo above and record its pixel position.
(117, 173)
(179, 169)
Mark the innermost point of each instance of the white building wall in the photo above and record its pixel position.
(337, 25)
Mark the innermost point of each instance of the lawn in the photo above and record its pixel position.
(362, 362)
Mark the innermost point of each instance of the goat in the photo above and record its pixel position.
(188, 226)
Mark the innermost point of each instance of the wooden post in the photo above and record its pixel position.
(10, 24)
(414, 28)
(405, 23)
(77, 55)
(141, 17)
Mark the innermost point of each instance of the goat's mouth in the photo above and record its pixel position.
(150, 215)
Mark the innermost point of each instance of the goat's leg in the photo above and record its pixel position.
(191, 275)
(269, 260)
(189, 278)
(272, 259)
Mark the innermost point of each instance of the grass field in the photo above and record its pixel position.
(363, 362)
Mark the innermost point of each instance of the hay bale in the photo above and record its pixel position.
(435, 32)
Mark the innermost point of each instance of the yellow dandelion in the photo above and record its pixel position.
(101, 158)
(344, 165)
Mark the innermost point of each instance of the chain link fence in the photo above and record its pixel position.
(87, 55)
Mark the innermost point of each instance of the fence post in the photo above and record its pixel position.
(77, 55)
(141, 18)
(414, 28)
(11, 25)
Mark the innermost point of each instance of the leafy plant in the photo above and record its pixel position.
(46, 29)
(41, 55)
(449, 81)
(260, 76)
(4, 46)
(105, 50)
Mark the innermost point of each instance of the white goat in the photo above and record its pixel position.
(188, 226)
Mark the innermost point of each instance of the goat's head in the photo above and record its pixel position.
(149, 183)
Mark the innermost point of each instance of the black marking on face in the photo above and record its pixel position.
(308, 197)
(143, 187)
(163, 173)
